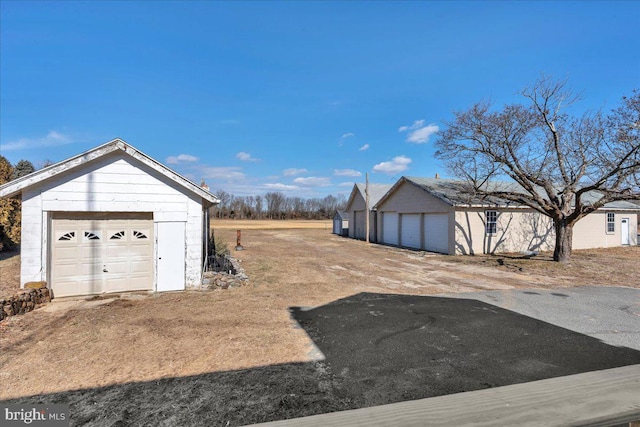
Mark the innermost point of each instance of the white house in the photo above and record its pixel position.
(436, 215)
(356, 209)
(111, 219)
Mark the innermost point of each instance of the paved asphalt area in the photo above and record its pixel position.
(611, 314)
(388, 348)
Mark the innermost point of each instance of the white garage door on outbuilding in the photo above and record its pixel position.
(94, 254)
(436, 233)
(410, 236)
(390, 228)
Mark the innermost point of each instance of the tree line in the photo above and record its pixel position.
(11, 208)
(276, 205)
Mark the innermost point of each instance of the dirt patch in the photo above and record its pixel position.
(9, 272)
(597, 267)
(184, 338)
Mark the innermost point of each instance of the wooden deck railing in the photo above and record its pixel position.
(601, 398)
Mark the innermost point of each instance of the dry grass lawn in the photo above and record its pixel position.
(84, 343)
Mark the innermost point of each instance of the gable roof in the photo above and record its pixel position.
(342, 214)
(16, 186)
(376, 191)
(454, 193)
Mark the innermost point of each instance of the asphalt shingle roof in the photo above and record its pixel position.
(454, 193)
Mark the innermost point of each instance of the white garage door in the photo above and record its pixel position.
(359, 224)
(436, 233)
(390, 228)
(94, 254)
(410, 231)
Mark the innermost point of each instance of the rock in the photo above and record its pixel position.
(35, 285)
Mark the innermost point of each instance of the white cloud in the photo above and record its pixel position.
(365, 147)
(346, 136)
(53, 138)
(294, 172)
(313, 181)
(392, 167)
(181, 158)
(346, 172)
(418, 132)
(221, 173)
(246, 157)
(416, 125)
(281, 186)
(346, 184)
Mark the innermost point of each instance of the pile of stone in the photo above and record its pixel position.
(34, 294)
(234, 278)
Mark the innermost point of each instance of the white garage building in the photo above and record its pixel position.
(436, 215)
(356, 209)
(111, 219)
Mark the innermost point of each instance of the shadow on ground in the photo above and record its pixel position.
(378, 349)
(390, 348)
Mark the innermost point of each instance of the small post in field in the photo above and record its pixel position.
(238, 243)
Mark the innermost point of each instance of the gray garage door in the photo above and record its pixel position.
(359, 223)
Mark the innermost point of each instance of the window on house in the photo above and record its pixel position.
(611, 222)
(491, 224)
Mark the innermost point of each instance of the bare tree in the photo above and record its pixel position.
(563, 166)
(258, 207)
(222, 208)
(275, 201)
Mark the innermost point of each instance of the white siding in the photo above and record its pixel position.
(591, 232)
(194, 244)
(520, 230)
(33, 259)
(115, 183)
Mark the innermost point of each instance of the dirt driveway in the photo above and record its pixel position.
(233, 356)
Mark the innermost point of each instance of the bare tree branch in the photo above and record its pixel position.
(562, 166)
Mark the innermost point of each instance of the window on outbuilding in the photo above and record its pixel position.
(611, 222)
(491, 222)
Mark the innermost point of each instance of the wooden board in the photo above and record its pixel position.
(600, 398)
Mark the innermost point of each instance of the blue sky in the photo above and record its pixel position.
(299, 97)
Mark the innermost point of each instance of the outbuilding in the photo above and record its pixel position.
(111, 219)
(356, 209)
(341, 223)
(437, 215)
